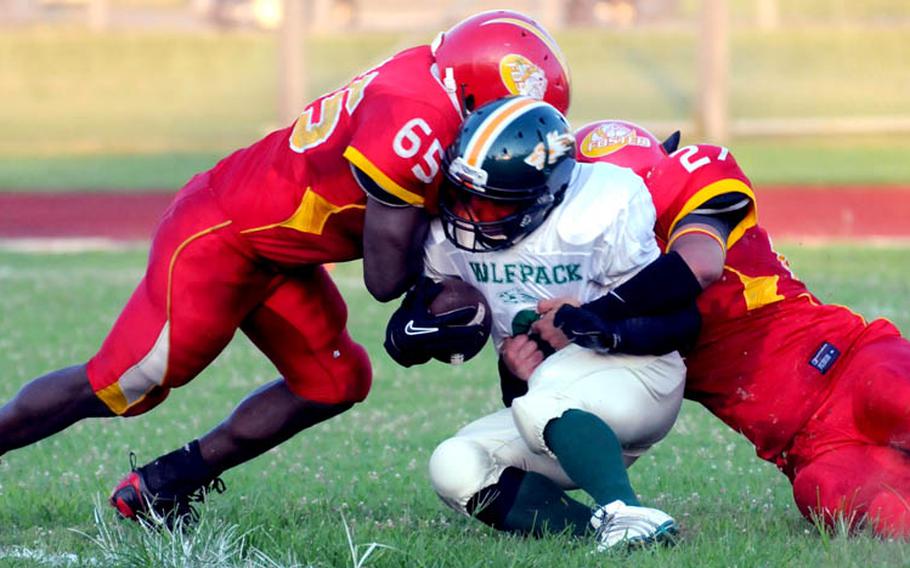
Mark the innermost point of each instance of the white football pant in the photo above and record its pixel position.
(637, 396)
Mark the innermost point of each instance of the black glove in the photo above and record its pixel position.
(586, 329)
(414, 335)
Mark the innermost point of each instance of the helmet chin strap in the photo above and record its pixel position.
(448, 77)
(449, 86)
(448, 81)
(456, 94)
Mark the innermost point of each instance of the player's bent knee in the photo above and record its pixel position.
(152, 399)
(632, 428)
(532, 413)
(357, 364)
(824, 496)
(889, 514)
(340, 374)
(459, 468)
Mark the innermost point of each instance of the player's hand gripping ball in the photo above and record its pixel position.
(465, 307)
(449, 321)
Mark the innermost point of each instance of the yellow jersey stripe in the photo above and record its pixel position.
(177, 251)
(699, 230)
(705, 194)
(113, 395)
(311, 215)
(758, 291)
(354, 156)
(114, 399)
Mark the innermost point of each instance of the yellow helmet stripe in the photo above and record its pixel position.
(479, 144)
(540, 34)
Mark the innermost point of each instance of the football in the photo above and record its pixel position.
(455, 295)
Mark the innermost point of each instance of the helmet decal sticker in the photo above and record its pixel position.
(609, 138)
(557, 146)
(539, 33)
(537, 158)
(522, 77)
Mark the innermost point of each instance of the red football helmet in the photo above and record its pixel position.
(500, 53)
(619, 142)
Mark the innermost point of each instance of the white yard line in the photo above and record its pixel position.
(70, 245)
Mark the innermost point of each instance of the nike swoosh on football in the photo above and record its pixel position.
(411, 329)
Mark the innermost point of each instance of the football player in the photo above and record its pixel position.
(819, 391)
(241, 247)
(522, 221)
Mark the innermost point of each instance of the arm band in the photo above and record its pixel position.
(664, 285)
(658, 335)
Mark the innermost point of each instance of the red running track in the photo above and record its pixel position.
(788, 212)
(843, 213)
(119, 216)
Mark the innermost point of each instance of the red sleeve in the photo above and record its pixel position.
(690, 177)
(399, 144)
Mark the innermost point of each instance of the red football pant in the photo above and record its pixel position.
(852, 460)
(203, 283)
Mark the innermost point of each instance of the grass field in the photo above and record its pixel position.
(150, 109)
(366, 470)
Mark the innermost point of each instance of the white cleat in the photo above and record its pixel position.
(619, 524)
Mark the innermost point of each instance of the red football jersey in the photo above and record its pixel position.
(766, 343)
(754, 275)
(293, 194)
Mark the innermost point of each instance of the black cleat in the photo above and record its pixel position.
(134, 501)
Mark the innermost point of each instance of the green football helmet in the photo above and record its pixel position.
(507, 169)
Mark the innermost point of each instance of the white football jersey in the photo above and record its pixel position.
(600, 236)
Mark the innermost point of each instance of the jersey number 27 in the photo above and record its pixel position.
(686, 153)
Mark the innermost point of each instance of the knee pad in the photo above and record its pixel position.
(460, 468)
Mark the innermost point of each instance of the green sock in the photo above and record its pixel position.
(542, 507)
(590, 453)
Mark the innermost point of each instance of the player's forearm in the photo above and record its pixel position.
(658, 335)
(676, 330)
(385, 280)
(392, 249)
(673, 281)
(704, 253)
(664, 285)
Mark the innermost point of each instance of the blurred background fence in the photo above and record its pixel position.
(397, 15)
(144, 92)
